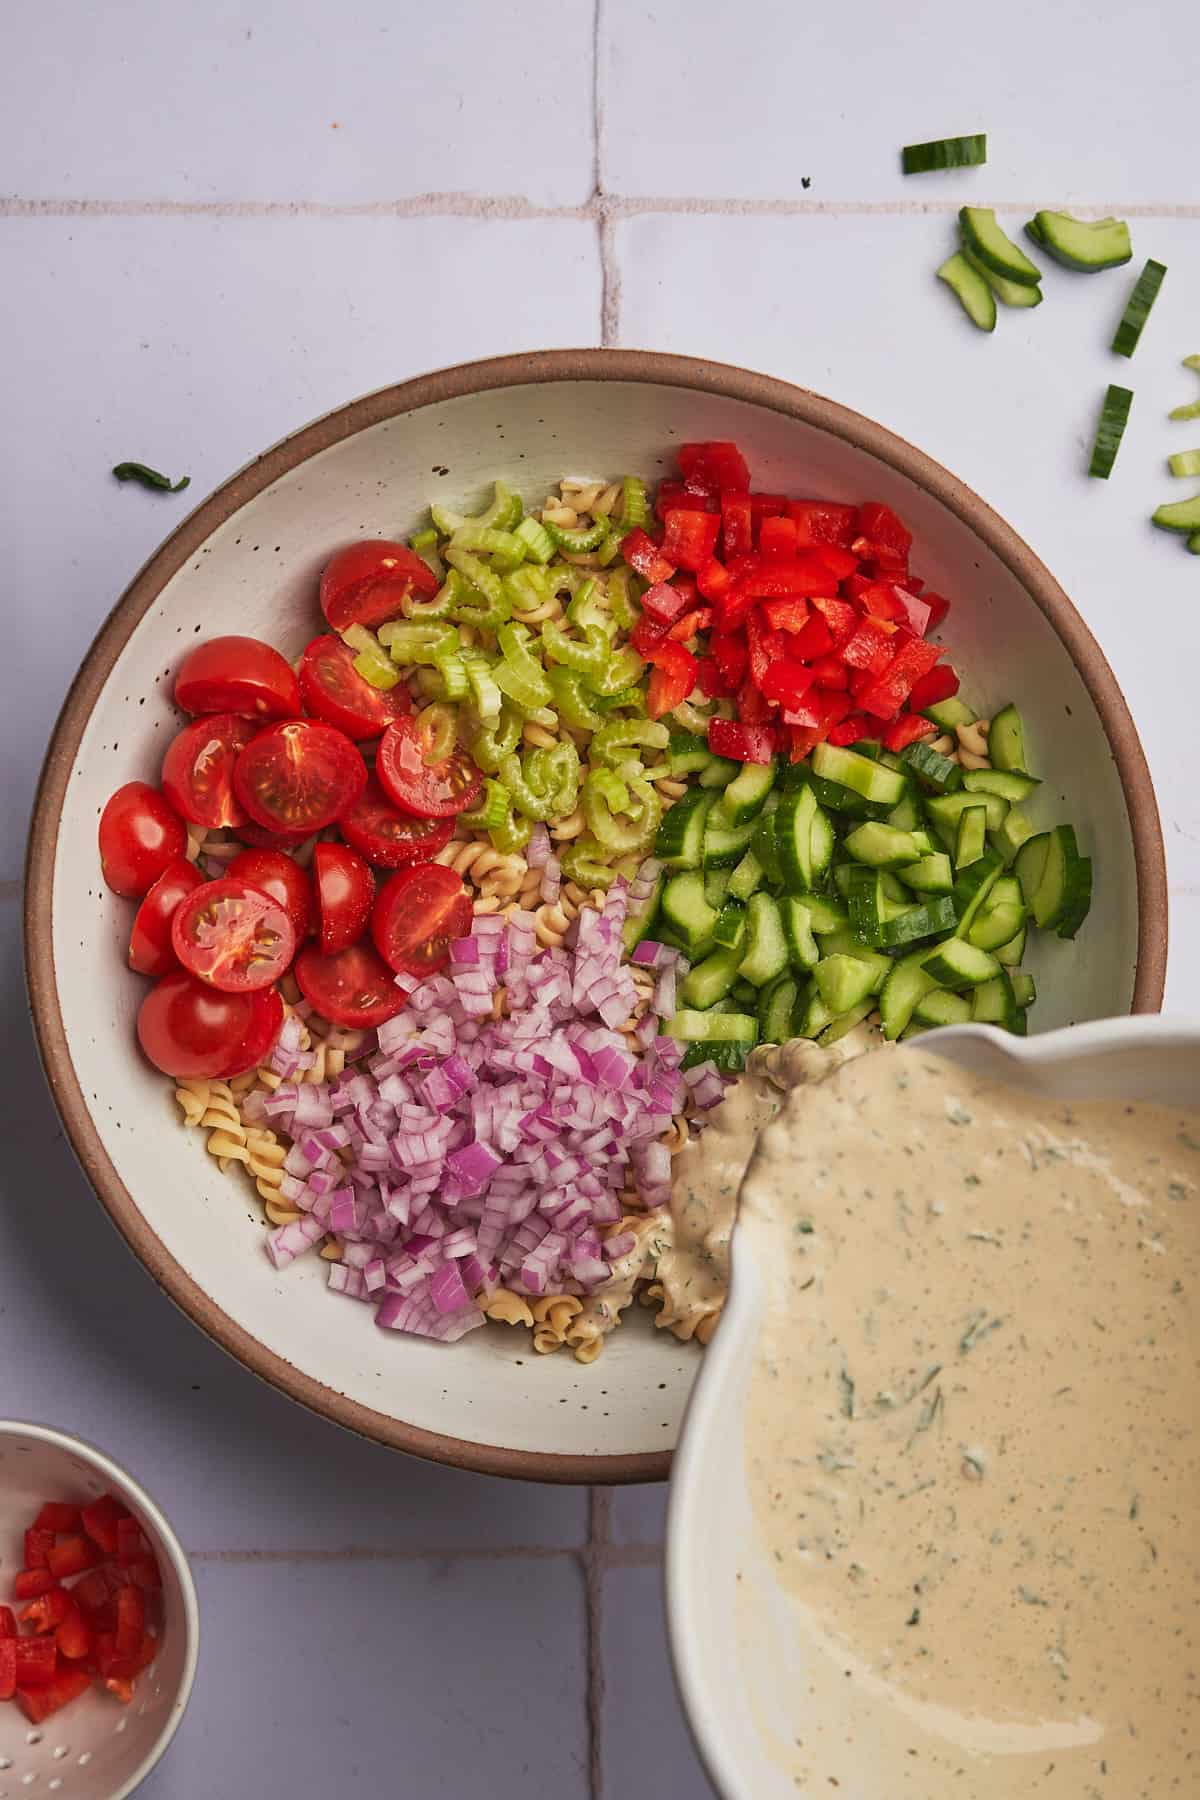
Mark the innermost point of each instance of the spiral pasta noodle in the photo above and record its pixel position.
(508, 1308)
(571, 825)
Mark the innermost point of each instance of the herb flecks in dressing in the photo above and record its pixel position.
(973, 1434)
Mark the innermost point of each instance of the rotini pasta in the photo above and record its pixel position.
(508, 1308)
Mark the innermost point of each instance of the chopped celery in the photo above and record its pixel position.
(505, 547)
(492, 811)
(539, 545)
(453, 672)
(635, 506)
(570, 700)
(485, 695)
(583, 861)
(620, 599)
(408, 643)
(503, 513)
(439, 726)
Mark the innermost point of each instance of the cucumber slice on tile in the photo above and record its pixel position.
(1110, 429)
(994, 249)
(1085, 244)
(944, 153)
(1179, 515)
(1137, 309)
(972, 291)
(1009, 293)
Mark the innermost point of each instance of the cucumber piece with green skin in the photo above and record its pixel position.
(872, 781)
(725, 845)
(1193, 543)
(1024, 989)
(727, 1056)
(934, 769)
(1010, 784)
(803, 839)
(642, 915)
(1137, 310)
(908, 814)
(716, 886)
(687, 911)
(746, 794)
(995, 925)
(1085, 244)
(748, 875)
(765, 951)
(949, 714)
(777, 1009)
(932, 875)
(1110, 429)
(940, 1007)
(945, 810)
(840, 1027)
(1009, 293)
(994, 249)
(842, 981)
(1178, 515)
(1006, 740)
(692, 1027)
(834, 796)
(763, 845)
(1015, 830)
(744, 995)
(970, 840)
(821, 845)
(1030, 865)
(869, 904)
(679, 843)
(972, 886)
(944, 153)
(730, 928)
(687, 753)
(825, 913)
(908, 982)
(970, 289)
(933, 919)
(957, 964)
(1063, 896)
(720, 772)
(882, 846)
(992, 1002)
(798, 932)
(812, 1015)
(709, 981)
(1010, 954)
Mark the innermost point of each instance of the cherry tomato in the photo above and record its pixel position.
(197, 772)
(355, 987)
(193, 1031)
(273, 873)
(250, 833)
(237, 675)
(418, 914)
(389, 838)
(345, 891)
(432, 790)
(368, 583)
(150, 951)
(334, 690)
(139, 835)
(299, 776)
(233, 936)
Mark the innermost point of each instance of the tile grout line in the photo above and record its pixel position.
(595, 1559)
(610, 271)
(618, 1556)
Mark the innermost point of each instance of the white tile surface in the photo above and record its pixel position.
(192, 344)
(647, 1749)
(1076, 104)
(639, 1515)
(296, 100)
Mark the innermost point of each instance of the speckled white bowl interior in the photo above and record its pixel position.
(95, 1748)
(248, 562)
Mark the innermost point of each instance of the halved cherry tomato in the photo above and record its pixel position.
(389, 838)
(418, 914)
(197, 771)
(368, 583)
(139, 835)
(150, 951)
(431, 790)
(298, 776)
(234, 937)
(334, 690)
(253, 834)
(237, 675)
(274, 873)
(345, 893)
(188, 1029)
(353, 988)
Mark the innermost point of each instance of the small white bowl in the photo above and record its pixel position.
(94, 1749)
(717, 1566)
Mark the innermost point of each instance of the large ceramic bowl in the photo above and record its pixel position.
(739, 1688)
(247, 560)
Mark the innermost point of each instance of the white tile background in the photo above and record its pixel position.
(223, 220)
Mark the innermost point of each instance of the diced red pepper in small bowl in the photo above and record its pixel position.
(871, 647)
(767, 506)
(38, 1545)
(786, 615)
(741, 742)
(74, 1637)
(8, 1623)
(38, 1703)
(48, 1612)
(713, 580)
(37, 1659)
(73, 1554)
(32, 1582)
(101, 1519)
(57, 1515)
(8, 1668)
(787, 682)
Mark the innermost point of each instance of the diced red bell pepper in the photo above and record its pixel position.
(71, 1555)
(840, 563)
(113, 1661)
(781, 578)
(120, 1688)
(717, 464)
(644, 555)
(861, 680)
(131, 1620)
(830, 672)
(674, 494)
(672, 680)
(786, 615)
(664, 602)
(927, 690)
(840, 617)
(100, 1521)
(37, 1658)
(74, 1637)
(812, 640)
(855, 586)
(92, 1591)
(765, 646)
(57, 1515)
(881, 601)
(699, 619)
(752, 709)
(741, 742)
(733, 607)
(911, 584)
(938, 608)
(713, 579)
(38, 1703)
(787, 682)
(890, 540)
(802, 740)
(647, 634)
(32, 1582)
(737, 524)
(916, 612)
(823, 522)
(729, 652)
(767, 506)
(871, 647)
(913, 659)
(854, 730)
(777, 536)
(48, 1611)
(690, 538)
(8, 1668)
(710, 681)
(8, 1623)
(37, 1545)
(905, 730)
(144, 1571)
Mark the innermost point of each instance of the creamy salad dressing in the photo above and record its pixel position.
(973, 1428)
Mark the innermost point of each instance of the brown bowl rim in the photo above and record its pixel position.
(346, 421)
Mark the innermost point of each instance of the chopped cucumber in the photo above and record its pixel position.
(1009, 293)
(680, 840)
(812, 1014)
(1085, 244)
(1014, 831)
(908, 814)
(842, 981)
(992, 1002)
(724, 846)
(940, 1007)
(912, 923)
(687, 911)
(714, 1028)
(710, 980)
(803, 839)
(932, 875)
(944, 153)
(798, 931)
(744, 995)
(826, 913)
(882, 846)
(763, 845)
(971, 290)
(765, 946)
(950, 714)
(972, 886)
(1063, 895)
(716, 886)
(1110, 429)
(1010, 954)
(908, 982)
(748, 875)
(945, 810)
(1024, 989)
(1178, 515)
(1000, 917)
(957, 964)
(1006, 740)
(777, 1010)
(971, 838)
(869, 904)
(996, 251)
(871, 780)
(729, 1057)
(833, 795)
(934, 769)
(641, 916)
(1030, 864)
(720, 772)
(846, 1023)
(687, 753)
(1137, 310)
(1010, 784)
(743, 799)
(730, 927)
